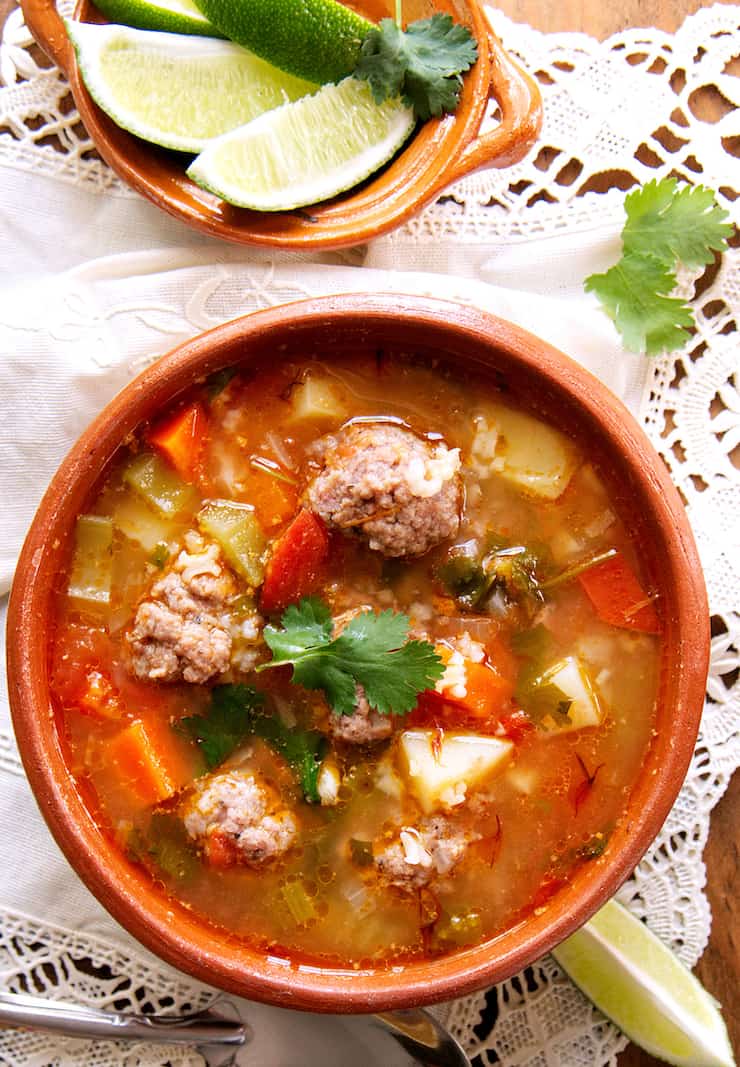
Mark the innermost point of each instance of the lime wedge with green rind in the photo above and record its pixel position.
(630, 975)
(177, 90)
(314, 39)
(305, 152)
(171, 16)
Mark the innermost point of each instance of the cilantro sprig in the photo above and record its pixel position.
(372, 651)
(237, 713)
(422, 64)
(666, 225)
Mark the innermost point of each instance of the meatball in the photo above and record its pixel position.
(417, 856)
(179, 630)
(364, 726)
(247, 813)
(400, 492)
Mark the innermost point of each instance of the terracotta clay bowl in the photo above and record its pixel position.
(441, 152)
(555, 388)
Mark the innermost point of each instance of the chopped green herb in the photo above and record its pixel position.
(372, 651)
(422, 64)
(593, 848)
(666, 225)
(361, 852)
(458, 928)
(578, 568)
(218, 381)
(236, 714)
(228, 724)
(537, 696)
(472, 577)
(160, 555)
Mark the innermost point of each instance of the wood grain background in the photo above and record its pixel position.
(719, 967)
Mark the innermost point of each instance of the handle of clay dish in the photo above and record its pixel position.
(47, 27)
(520, 103)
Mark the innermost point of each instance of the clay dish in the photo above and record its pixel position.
(442, 151)
(551, 385)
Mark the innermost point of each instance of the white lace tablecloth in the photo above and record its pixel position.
(96, 283)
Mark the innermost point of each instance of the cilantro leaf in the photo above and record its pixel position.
(672, 223)
(236, 713)
(422, 64)
(666, 225)
(373, 651)
(633, 293)
(227, 724)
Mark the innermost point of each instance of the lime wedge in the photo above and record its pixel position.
(315, 39)
(176, 90)
(305, 152)
(642, 987)
(172, 16)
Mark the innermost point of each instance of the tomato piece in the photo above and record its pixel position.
(296, 562)
(221, 851)
(99, 698)
(181, 439)
(517, 725)
(617, 596)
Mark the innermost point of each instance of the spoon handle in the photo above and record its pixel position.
(73, 1020)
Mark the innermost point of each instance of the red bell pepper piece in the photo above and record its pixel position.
(296, 562)
(617, 596)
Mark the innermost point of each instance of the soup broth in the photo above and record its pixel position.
(309, 506)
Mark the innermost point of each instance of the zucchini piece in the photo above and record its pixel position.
(236, 529)
(92, 565)
(150, 477)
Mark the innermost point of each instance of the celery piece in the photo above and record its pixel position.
(152, 479)
(92, 565)
(239, 534)
(299, 902)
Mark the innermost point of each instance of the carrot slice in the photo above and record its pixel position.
(488, 693)
(143, 765)
(274, 500)
(296, 563)
(181, 439)
(617, 596)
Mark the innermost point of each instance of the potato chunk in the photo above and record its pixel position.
(316, 398)
(525, 451)
(440, 775)
(573, 680)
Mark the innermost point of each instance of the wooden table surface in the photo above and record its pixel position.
(719, 967)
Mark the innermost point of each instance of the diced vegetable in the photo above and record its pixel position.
(295, 565)
(140, 765)
(221, 851)
(578, 705)
(273, 495)
(526, 451)
(328, 782)
(137, 521)
(617, 596)
(300, 905)
(458, 928)
(92, 566)
(441, 770)
(182, 438)
(156, 482)
(236, 529)
(170, 847)
(99, 698)
(477, 688)
(474, 573)
(316, 398)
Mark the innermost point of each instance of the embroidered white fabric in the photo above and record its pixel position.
(517, 241)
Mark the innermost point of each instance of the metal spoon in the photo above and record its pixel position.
(274, 1037)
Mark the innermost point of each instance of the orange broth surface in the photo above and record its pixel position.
(550, 807)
